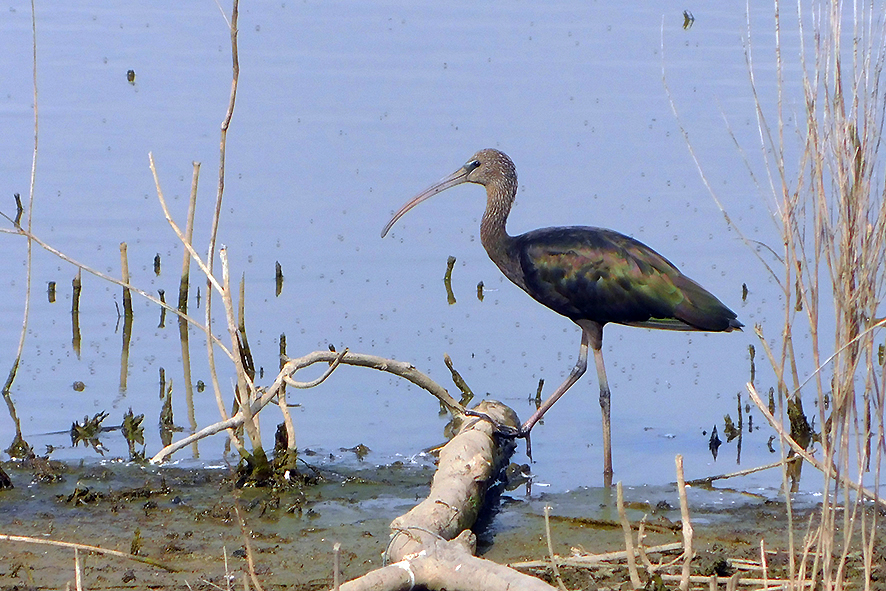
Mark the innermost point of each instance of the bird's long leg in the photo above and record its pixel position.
(604, 408)
(577, 371)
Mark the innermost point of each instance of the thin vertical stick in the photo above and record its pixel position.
(227, 570)
(551, 549)
(183, 289)
(78, 577)
(629, 542)
(226, 123)
(189, 237)
(124, 272)
(687, 526)
(281, 400)
(763, 563)
(244, 386)
(213, 234)
(641, 549)
(336, 566)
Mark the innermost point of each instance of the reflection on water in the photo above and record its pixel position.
(341, 115)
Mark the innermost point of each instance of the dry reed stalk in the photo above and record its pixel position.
(85, 548)
(216, 216)
(188, 237)
(629, 542)
(78, 573)
(831, 206)
(245, 388)
(763, 563)
(336, 566)
(124, 277)
(281, 401)
(641, 548)
(183, 290)
(551, 554)
(709, 479)
(688, 552)
(595, 559)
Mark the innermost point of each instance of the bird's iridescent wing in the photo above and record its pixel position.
(605, 276)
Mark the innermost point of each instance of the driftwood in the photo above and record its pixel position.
(432, 545)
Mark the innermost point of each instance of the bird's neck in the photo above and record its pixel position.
(498, 243)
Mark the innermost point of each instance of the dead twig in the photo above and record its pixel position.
(709, 479)
(86, 548)
(688, 553)
(595, 559)
(554, 567)
(629, 542)
(399, 368)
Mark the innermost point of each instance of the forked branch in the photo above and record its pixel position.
(286, 376)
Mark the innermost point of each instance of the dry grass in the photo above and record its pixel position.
(831, 210)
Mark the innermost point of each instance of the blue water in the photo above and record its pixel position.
(344, 111)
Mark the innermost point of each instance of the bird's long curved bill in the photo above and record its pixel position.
(456, 178)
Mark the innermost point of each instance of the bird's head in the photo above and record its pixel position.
(489, 167)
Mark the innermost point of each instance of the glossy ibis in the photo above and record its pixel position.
(592, 276)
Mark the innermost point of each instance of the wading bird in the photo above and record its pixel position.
(593, 276)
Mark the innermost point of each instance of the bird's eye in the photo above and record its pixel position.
(472, 165)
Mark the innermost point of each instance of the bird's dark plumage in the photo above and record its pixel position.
(603, 276)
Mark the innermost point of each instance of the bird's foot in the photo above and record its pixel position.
(501, 430)
(506, 431)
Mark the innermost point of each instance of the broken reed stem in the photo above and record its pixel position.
(336, 566)
(86, 548)
(629, 542)
(736, 579)
(641, 550)
(77, 574)
(467, 394)
(124, 272)
(245, 352)
(687, 526)
(187, 239)
(709, 479)
(595, 559)
(281, 401)
(554, 567)
(763, 563)
(76, 288)
(245, 388)
(205, 266)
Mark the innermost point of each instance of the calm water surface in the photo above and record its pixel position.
(345, 111)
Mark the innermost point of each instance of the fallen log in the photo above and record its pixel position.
(432, 545)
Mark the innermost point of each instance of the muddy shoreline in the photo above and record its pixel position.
(187, 519)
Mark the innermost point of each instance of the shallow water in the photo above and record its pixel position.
(343, 112)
